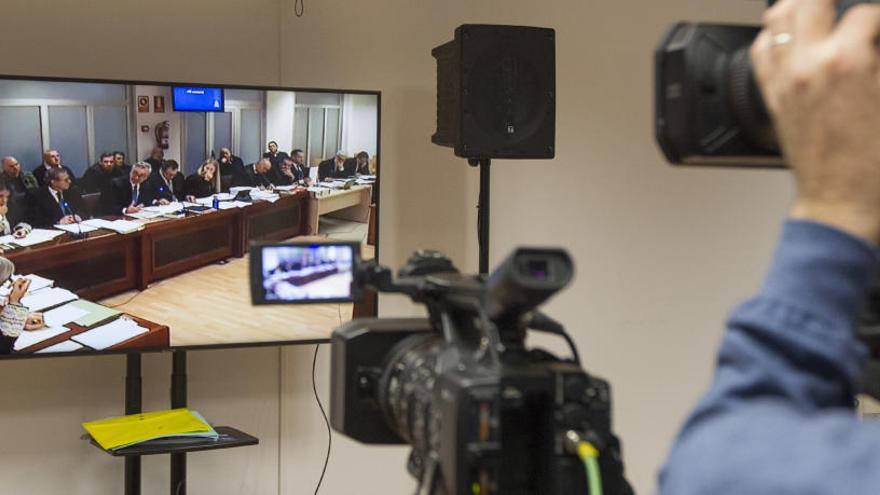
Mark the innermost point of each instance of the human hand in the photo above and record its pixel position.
(821, 83)
(66, 220)
(19, 289)
(34, 321)
(134, 208)
(191, 199)
(164, 202)
(20, 233)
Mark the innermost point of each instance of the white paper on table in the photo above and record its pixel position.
(37, 283)
(75, 228)
(145, 214)
(48, 298)
(28, 338)
(63, 315)
(37, 236)
(115, 332)
(120, 226)
(165, 209)
(98, 223)
(228, 205)
(286, 188)
(66, 346)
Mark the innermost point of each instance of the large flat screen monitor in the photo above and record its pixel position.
(130, 207)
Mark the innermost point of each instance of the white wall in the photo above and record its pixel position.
(662, 253)
(146, 141)
(280, 106)
(359, 124)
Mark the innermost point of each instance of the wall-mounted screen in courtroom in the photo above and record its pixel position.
(127, 210)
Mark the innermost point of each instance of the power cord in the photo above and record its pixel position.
(326, 421)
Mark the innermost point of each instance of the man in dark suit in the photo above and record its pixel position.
(166, 184)
(360, 164)
(57, 202)
(229, 162)
(335, 168)
(98, 176)
(287, 176)
(300, 169)
(254, 175)
(123, 167)
(51, 159)
(128, 194)
(17, 183)
(274, 155)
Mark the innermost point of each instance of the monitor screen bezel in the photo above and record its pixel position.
(222, 99)
(225, 86)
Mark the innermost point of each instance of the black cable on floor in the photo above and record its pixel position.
(326, 421)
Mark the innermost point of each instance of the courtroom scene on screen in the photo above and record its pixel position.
(127, 212)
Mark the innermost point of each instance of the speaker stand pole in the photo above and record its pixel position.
(178, 400)
(133, 406)
(483, 212)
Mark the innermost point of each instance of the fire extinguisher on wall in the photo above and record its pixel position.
(163, 130)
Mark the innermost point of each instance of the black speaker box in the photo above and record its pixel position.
(496, 92)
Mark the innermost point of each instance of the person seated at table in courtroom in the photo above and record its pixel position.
(335, 168)
(12, 215)
(229, 162)
(58, 202)
(157, 156)
(121, 164)
(128, 194)
(51, 159)
(99, 176)
(360, 164)
(14, 316)
(274, 156)
(167, 184)
(300, 169)
(18, 182)
(255, 175)
(286, 175)
(201, 183)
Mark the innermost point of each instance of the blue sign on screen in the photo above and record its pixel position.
(198, 99)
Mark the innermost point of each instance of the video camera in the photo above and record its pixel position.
(708, 107)
(484, 413)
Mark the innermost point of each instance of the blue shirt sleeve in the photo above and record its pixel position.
(778, 418)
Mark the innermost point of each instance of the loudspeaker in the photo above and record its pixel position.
(496, 92)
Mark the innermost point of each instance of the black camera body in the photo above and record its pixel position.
(708, 107)
(483, 413)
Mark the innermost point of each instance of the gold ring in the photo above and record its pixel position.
(781, 39)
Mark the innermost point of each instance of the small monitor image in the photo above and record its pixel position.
(197, 99)
(307, 273)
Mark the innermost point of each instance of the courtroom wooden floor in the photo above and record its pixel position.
(212, 305)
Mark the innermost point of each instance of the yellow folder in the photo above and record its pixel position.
(116, 432)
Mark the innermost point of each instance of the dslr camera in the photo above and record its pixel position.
(708, 107)
(484, 413)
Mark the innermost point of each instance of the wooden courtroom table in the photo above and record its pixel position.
(158, 337)
(351, 204)
(108, 263)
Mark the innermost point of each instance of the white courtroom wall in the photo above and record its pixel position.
(146, 141)
(280, 106)
(662, 253)
(359, 124)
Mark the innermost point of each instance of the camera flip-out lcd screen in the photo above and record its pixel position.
(303, 273)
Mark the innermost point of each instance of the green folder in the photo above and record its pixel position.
(97, 313)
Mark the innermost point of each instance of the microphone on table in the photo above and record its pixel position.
(78, 221)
